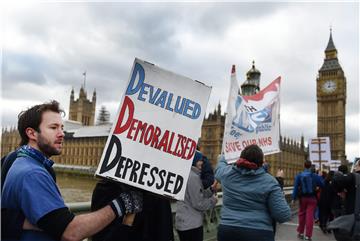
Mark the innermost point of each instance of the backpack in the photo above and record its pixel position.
(307, 184)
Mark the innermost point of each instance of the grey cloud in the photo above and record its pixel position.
(19, 68)
(216, 18)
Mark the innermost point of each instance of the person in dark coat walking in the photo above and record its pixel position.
(326, 195)
(345, 185)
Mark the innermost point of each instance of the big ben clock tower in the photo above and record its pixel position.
(331, 102)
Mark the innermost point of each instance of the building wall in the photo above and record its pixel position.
(84, 151)
(82, 109)
(10, 140)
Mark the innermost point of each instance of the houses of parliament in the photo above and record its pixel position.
(85, 141)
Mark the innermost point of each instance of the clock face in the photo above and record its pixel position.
(329, 86)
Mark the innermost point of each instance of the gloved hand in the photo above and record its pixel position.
(127, 202)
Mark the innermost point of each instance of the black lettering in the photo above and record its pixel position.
(120, 166)
(169, 181)
(156, 170)
(114, 141)
(142, 173)
(128, 164)
(162, 174)
(133, 175)
(178, 184)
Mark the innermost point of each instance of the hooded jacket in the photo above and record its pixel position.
(189, 213)
(251, 198)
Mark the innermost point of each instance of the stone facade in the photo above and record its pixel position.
(331, 102)
(10, 140)
(82, 151)
(82, 109)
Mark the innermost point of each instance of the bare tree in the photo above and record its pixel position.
(104, 116)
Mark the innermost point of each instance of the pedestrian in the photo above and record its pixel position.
(252, 198)
(345, 185)
(325, 202)
(190, 212)
(280, 178)
(207, 173)
(305, 186)
(337, 202)
(31, 202)
(142, 226)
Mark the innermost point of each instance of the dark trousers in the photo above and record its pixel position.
(324, 215)
(195, 234)
(232, 233)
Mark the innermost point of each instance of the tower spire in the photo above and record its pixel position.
(330, 45)
(84, 74)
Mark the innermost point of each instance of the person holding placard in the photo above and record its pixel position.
(31, 204)
(252, 198)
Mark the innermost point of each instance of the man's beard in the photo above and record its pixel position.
(46, 148)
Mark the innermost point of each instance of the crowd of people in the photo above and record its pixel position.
(32, 207)
(322, 198)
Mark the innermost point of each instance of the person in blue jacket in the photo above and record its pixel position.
(305, 186)
(252, 198)
(31, 202)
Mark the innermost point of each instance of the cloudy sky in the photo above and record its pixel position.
(47, 46)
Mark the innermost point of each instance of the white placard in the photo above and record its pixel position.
(252, 120)
(153, 140)
(319, 151)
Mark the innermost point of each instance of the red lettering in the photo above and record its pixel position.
(148, 134)
(178, 152)
(248, 142)
(127, 104)
(170, 144)
(131, 129)
(155, 139)
(192, 149)
(233, 146)
(183, 143)
(265, 141)
(142, 127)
(238, 145)
(138, 127)
(186, 148)
(164, 141)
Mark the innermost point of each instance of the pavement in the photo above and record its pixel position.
(287, 231)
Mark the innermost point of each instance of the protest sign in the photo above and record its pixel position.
(319, 151)
(154, 138)
(252, 119)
